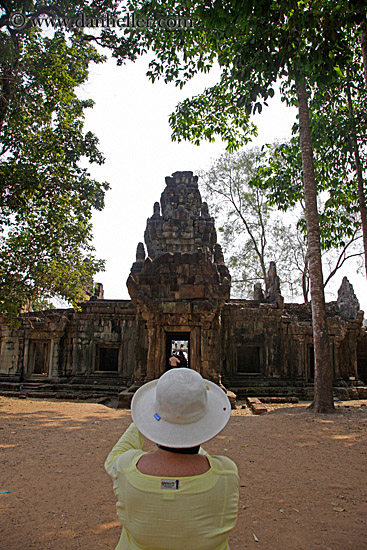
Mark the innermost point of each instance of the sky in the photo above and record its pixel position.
(130, 118)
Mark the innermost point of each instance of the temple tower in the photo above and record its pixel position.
(179, 288)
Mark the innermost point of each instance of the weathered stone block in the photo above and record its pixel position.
(186, 292)
(342, 394)
(353, 393)
(124, 400)
(362, 392)
(232, 398)
(256, 406)
(199, 291)
(259, 409)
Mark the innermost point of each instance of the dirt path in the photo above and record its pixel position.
(303, 478)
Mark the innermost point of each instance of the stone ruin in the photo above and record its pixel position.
(180, 297)
(347, 301)
(272, 293)
(182, 284)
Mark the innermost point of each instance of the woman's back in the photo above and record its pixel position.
(163, 463)
(165, 512)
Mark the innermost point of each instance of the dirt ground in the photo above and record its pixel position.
(303, 477)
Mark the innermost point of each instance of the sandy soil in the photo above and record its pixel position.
(303, 477)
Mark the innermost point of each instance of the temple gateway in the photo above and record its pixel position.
(180, 301)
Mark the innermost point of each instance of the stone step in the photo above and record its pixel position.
(303, 393)
(279, 400)
(256, 406)
(58, 390)
(67, 396)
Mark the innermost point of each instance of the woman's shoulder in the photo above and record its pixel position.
(223, 464)
(128, 459)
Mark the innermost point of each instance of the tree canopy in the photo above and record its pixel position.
(252, 232)
(47, 196)
(248, 213)
(338, 128)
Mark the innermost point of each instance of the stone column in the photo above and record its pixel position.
(205, 354)
(74, 362)
(25, 357)
(161, 351)
(151, 367)
(336, 358)
(195, 351)
(300, 366)
(53, 371)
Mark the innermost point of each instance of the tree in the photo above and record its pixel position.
(338, 126)
(255, 44)
(252, 233)
(237, 187)
(46, 196)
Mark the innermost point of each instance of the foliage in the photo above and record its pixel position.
(252, 233)
(46, 196)
(306, 38)
(334, 137)
(280, 171)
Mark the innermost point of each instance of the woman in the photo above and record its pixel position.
(177, 497)
(182, 358)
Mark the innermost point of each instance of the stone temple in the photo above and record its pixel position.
(180, 299)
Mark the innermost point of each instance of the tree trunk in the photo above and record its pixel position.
(357, 160)
(305, 281)
(323, 398)
(364, 46)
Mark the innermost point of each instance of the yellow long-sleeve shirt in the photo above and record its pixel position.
(186, 513)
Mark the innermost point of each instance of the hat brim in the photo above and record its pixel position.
(218, 412)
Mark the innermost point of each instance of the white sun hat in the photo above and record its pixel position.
(180, 409)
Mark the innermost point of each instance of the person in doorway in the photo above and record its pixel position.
(182, 358)
(174, 361)
(177, 496)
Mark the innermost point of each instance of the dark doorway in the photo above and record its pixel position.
(248, 359)
(177, 342)
(108, 359)
(40, 357)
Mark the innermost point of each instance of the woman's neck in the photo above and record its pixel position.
(181, 451)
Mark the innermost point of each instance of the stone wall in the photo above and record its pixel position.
(67, 344)
(269, 346)
(362, 355)
(249, 343)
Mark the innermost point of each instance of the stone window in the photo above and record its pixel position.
(108, 358)
(248, 359)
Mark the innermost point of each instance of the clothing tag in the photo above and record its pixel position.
(170, 483)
